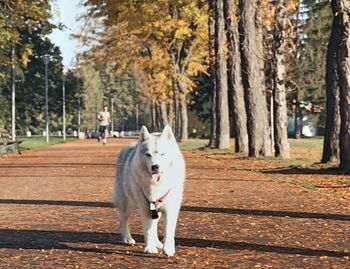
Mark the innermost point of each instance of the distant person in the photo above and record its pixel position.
(104, 119)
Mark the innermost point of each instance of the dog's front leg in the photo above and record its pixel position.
(170, 226)
(150, 233)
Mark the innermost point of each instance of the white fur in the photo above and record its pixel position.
(135, 186)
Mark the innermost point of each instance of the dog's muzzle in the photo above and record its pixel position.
(155, 172)
(155, 168)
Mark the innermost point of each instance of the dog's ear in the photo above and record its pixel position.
(144, 134)
(168, 133)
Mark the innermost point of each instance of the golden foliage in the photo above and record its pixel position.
(166, 39)
(19, 15)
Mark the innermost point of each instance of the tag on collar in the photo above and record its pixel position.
(152, 206)
(153, 210)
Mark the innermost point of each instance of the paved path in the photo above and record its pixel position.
(55, 213)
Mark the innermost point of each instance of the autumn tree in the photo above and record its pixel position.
(253, 78)
(235, 77)
(331, 136)
(102, 85)
(280, 46)
(211, 53)
(24, 26)
(343, 11)
(222, 116)
(162, 36)
(17, 17)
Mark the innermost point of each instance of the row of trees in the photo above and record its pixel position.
(24, 29)
(170, 39)
(255, 131)
(165, 39)
(257, 54)
(250, 56)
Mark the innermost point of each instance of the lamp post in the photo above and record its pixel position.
(112, 111)
(46, 60)
(13, 95)
(79, 117)
(96, 111)
(137, 117)
(64, 106)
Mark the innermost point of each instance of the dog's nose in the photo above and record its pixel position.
(155, 167)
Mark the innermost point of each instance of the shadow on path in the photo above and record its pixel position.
(237, 211)
(305, 171)
(268, 213)
(38, 239)
(55, 165)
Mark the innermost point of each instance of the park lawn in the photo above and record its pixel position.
(39, 142)
(303, 169)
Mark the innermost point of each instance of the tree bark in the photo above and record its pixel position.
(184, 118)
(211, 47)
(153, 116)
(235, 78)
(171, 116)
(222, 115)
(180, 63)
(158, 118)
(343, 55)
(253, 78)
(279, 93)
(177, 122)
(331, 137)
(164, 113)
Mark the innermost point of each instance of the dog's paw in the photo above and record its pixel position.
(151, 250)
(129, 240)
(169, 249)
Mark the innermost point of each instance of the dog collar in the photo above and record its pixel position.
(161, 199)
(153, 205)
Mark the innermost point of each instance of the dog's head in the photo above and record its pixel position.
(157, 150)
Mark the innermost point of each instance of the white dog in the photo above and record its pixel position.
(150, 177)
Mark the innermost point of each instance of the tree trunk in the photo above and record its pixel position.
(331, 136)
(183, 118)
(235, 78)
(154, 117)
(180, 65)
(344, 83)
(279, 93)
(211, 47)
(158, 118)
(164, 113)
(171, 115)
(177, 122)
(222, 115)
(253, 79)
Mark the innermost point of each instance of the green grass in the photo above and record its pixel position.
(310, 143)
(39, 142)
(309, 186)
(191, 144)
(305, 185)
(279, 178)
(297, 162)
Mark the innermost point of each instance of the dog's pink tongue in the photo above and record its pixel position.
(156, 177)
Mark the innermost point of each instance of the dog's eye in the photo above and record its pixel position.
(162, 154)
(148, 155)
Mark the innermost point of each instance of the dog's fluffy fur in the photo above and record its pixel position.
(138, 184)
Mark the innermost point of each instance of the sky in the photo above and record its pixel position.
(66, 12)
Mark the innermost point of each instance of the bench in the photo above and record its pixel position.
(6, 143)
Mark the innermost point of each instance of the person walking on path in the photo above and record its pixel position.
(104, 119)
